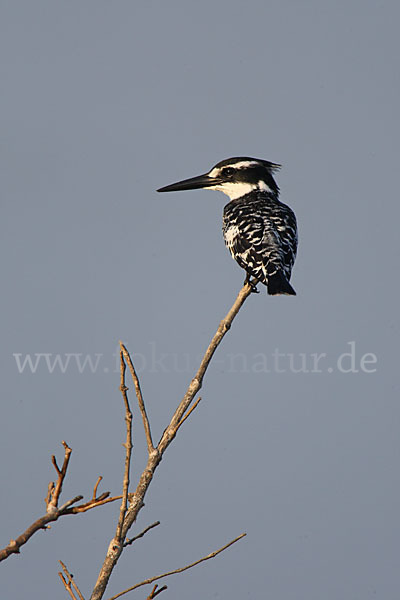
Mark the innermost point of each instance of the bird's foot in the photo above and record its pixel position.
(252, 283)
(254, 289)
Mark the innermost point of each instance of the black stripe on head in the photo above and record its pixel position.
(270, 166)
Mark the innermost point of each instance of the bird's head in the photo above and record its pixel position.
(235, 177)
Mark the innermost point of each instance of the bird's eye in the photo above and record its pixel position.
(228, 171)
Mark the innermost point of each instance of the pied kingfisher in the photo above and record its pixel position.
(259, 230)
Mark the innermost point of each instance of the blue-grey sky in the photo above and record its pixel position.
(103, 103)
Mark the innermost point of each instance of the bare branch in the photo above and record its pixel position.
(69, 583)
(117, 543)
(181, 570)
(81, 508)
(139, 396)
(188, 413)
(128, 447)
(50, 490)
(197, 381)
(53, 510)
(95, 501)
(55, 495)
(155, 593)
(96, 485)
(64, 507)
(155, 454)
(140, 535)
(55, 465)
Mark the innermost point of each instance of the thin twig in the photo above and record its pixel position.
(64, 507)
(50, 490)
(188, 413)
(96, 485)
(53, 501)
(181, 570)
(128, 448)
(139, 396)
(81, 508)
(197, 381)
(117, 543)
(155, 593)
(71, 582)
(140, 535)
(67, 585)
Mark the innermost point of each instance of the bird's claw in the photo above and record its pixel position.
(254, 289)
(252, 284)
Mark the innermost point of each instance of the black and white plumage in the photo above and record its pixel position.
(259, 230)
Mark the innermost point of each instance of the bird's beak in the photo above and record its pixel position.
(194, 183)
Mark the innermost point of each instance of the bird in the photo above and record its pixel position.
(259, 230)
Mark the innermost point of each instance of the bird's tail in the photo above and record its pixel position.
(278, 284)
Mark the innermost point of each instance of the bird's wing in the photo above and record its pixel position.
(244, 240)
(285, 227)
